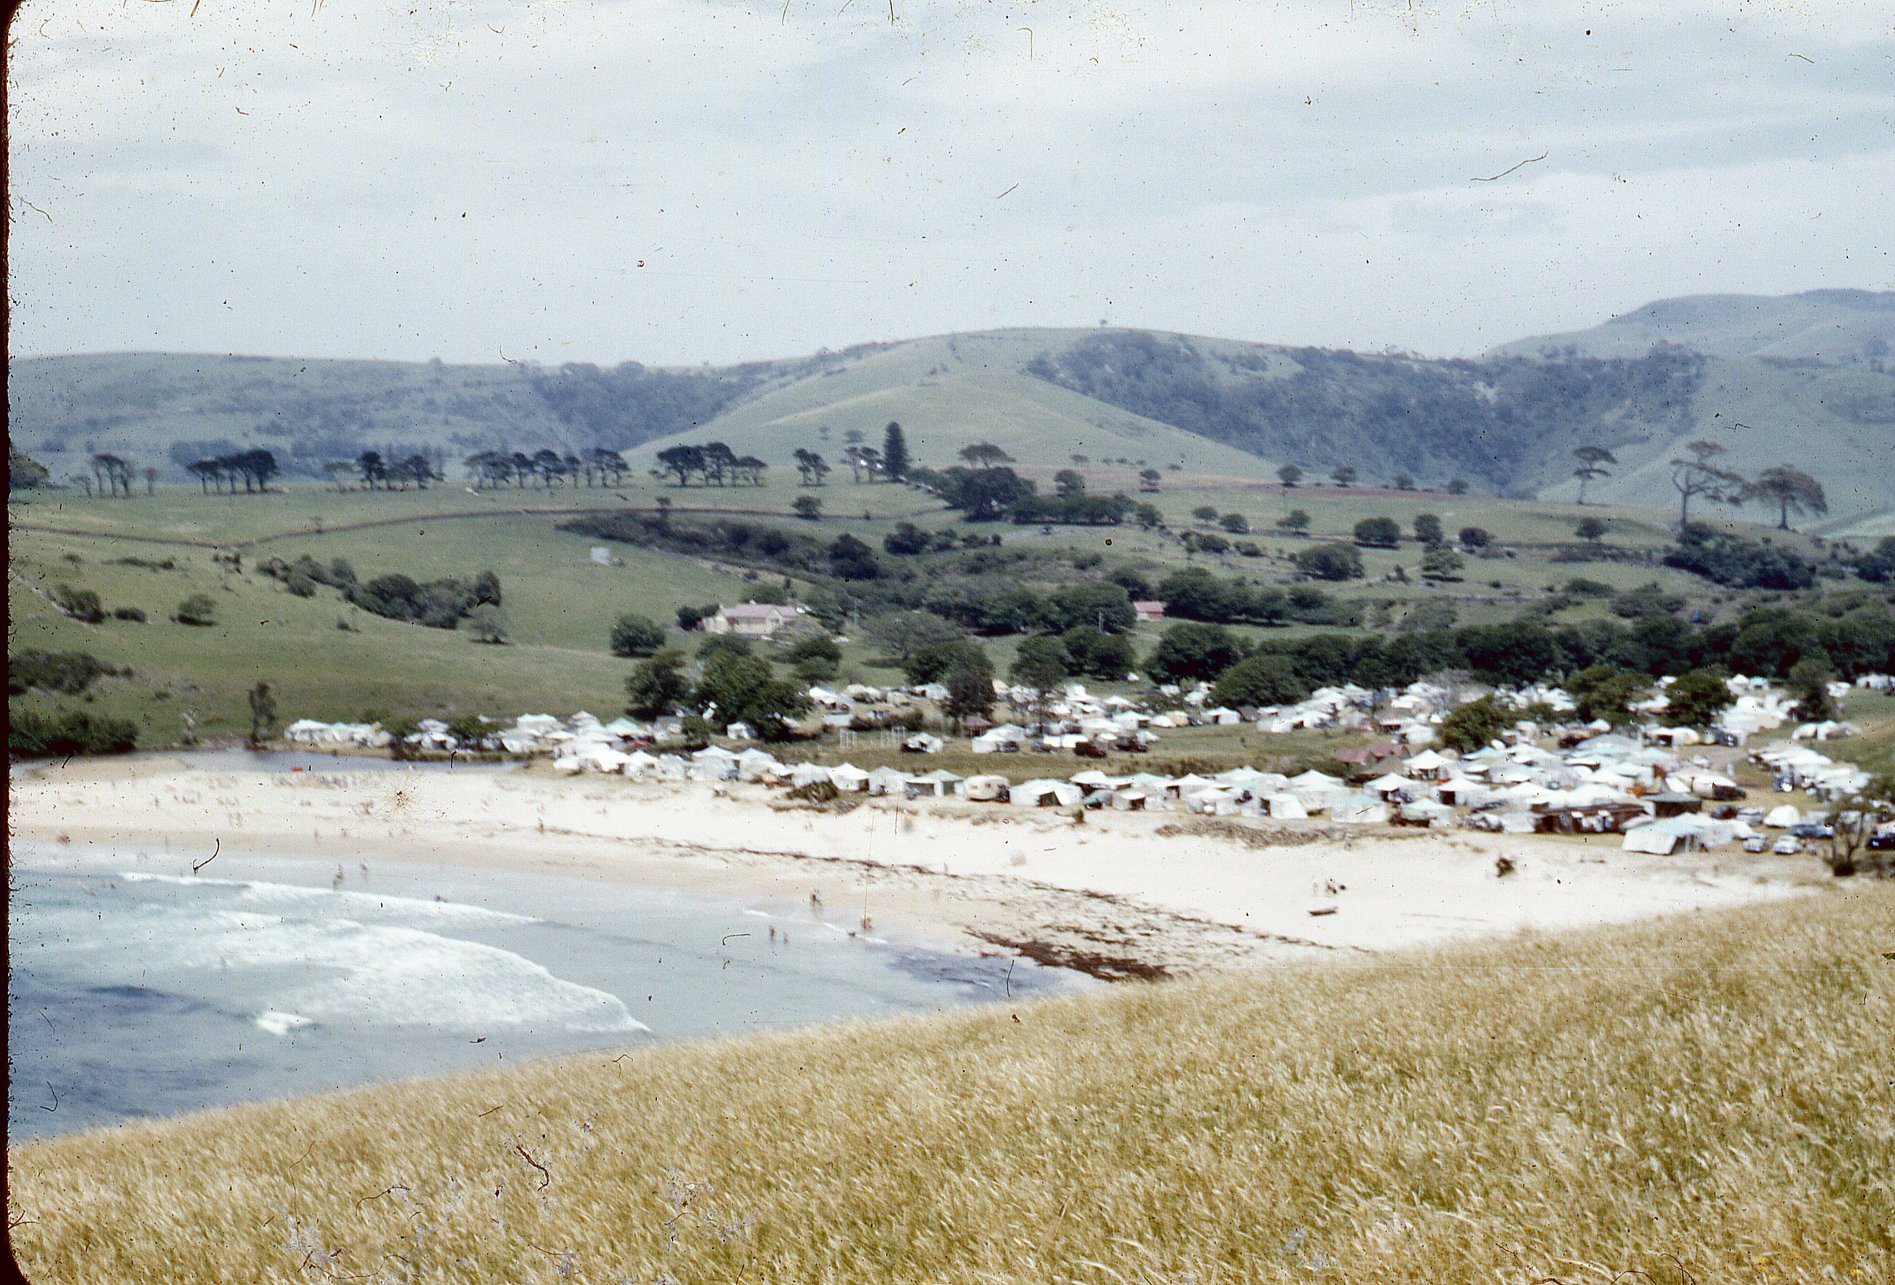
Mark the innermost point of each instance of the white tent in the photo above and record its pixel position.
(887, 780)
(848, 778)
(1046, 793)
(1287, 806)
(1424, 812)
(985, 789)
(1661, 838)
(802, 774)
(939, 783)
(1782, 817)
(1358, 809)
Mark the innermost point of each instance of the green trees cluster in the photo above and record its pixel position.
(1878, 564)
(712, 463)
(1469, 727)
(1770, 642)
(732, 685)
(1194, 593)
(438, 604)
(1329, 562)
(1737, 562)
(302, 576)
(61, 733)
(1378, 533)
(253, 468)
(546, 467)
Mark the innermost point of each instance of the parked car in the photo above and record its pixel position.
(1750, 816)
(1787, 846)
(1812, 830)
(1883, 841)
(1756, 843)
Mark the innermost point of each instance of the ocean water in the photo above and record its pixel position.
(137, 988)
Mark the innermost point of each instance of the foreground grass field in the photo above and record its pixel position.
(1691, 1100)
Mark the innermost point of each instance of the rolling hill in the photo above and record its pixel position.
(1834, 327)
(1797, 380)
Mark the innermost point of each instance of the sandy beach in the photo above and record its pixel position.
(1123, 894)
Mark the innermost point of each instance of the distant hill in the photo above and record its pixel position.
(1833, 327)
(1798, 380)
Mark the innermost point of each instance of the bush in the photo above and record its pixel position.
(1474, 724)
(489, 623)
(32, 734)
(1268, 678)
(1378, 533)
(133, 614)
(1440, 563)
(634, 635)
(1739, 563)
(198, 609)
(1191, 651)
(67, 672)
(80, 604)
(1330, 562)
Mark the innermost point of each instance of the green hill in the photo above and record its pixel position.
(1835, 327)
(1753, 375)
(953, 390)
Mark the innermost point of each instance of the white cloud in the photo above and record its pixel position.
(683, 180)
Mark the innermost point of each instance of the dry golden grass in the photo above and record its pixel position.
(1705, 1099)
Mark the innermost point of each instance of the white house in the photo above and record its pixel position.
(750, 619)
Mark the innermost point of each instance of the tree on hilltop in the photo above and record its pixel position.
(984, 455)
(1694, 474)
(1592, 462)
(1790, 488)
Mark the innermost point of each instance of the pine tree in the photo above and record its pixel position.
(894, 452)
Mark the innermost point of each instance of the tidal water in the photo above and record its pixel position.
(138, 988)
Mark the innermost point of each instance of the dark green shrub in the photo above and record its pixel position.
(80, 604)
(68, 672)
(198, 609)
(33, 734)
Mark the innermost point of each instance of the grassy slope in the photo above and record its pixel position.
(1765, 416)
(562, 608)
(1829, 325)
(1696, 1099)
(950, 391)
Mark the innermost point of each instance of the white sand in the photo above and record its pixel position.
(1166, 889)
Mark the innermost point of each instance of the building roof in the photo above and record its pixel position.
(752, 611)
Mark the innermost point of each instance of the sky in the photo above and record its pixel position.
(686, 181)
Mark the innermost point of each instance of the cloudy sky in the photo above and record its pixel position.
(675, 181)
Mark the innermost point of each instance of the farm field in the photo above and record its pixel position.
(191, 681)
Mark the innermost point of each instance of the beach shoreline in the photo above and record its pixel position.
(1119, 895)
